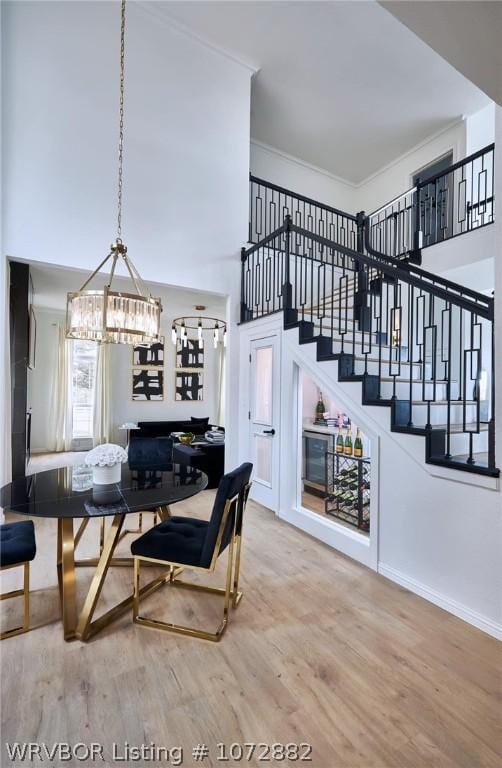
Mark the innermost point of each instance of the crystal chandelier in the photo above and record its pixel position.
(182, 325)
(106, 315)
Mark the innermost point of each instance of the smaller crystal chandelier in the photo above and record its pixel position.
(114, 316)
(196, 326)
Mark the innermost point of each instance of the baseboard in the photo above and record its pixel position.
(452, 606)
(349, 542)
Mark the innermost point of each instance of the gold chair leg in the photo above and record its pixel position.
(179, 628)
(236, 595)
(26, 586)
(25, 593)
(164, 513)
(139, 529)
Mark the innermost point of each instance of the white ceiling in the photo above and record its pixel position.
(468, 34)
(51, 283)
(341, 85)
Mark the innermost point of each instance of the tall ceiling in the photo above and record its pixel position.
(342, 85)
(466, 33)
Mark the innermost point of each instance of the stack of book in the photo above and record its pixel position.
(215, 436)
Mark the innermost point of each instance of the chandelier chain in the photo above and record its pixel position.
(121, 121)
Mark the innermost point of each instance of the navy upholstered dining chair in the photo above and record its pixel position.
(148, 454)
(185, 542)
(18, 548)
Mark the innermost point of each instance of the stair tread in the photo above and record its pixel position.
(481, 458)
(443, 402)
(456, 428)
(383, 361)
(427, 382)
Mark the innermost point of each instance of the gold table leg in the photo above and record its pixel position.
(66, 576)
(83, 525)
(110, 542)
(87, 626)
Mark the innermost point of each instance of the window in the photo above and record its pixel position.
(83, 381)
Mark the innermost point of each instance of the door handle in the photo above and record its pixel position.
(269, 431)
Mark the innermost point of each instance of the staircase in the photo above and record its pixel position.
(420, 345)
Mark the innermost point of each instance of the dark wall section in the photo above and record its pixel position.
(19, 341)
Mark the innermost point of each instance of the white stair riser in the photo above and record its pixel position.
(402, 390)
(439, 414)
(459, 443)
(389, 370)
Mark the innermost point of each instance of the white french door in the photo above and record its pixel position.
(264, 420)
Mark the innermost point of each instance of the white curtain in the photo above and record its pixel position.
(220, 385)
(61, 401)
(101, 423)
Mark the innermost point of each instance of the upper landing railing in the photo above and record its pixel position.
(437, 208)
(269, 205)
(457, 200)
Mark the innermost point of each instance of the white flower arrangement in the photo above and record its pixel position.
(105, 461)
(106, 455)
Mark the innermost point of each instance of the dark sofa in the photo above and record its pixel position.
(151, 446)
(164, 428)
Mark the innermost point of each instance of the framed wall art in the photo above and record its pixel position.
(147, 384)
(188, 386)
(189, 354)
(148, 355)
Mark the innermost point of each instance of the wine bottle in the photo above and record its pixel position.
(358, 445)
(320, 409)
(347, 446)
(339, 442)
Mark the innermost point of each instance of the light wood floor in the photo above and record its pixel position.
(321, 650)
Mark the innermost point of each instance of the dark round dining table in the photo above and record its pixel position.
(68, 494)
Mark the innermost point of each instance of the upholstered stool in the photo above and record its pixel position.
(17, 547)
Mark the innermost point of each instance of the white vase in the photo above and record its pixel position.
(106, 475)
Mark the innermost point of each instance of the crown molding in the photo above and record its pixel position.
(151, 8)
(375, 174)
(420, 145)
(302, 163)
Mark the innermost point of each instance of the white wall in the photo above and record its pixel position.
(296, 175)
(480, 129)
(470, 248)
(186, 148)
(310, 398)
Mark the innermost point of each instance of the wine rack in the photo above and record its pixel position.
(348, 489)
